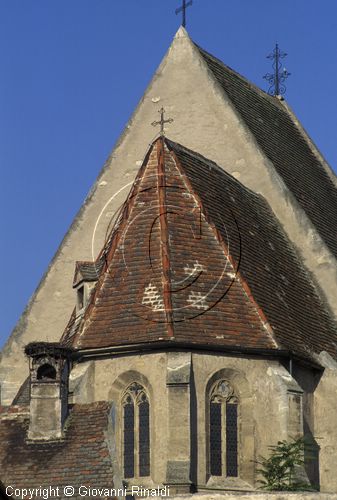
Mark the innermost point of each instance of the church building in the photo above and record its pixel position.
(188, 320)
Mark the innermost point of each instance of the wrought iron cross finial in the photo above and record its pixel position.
(277, 79)
(183, 10)
(162, 121)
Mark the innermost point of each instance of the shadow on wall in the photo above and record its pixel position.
(311, 456)
(308, 379)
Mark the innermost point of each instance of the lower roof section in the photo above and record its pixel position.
(82, 457)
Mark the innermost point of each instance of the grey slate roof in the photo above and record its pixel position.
(283, 143)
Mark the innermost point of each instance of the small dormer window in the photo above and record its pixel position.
(86, 276)
(80, 297)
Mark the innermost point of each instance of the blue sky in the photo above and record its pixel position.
(71, 73)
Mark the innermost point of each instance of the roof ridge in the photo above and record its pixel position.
(279, 138)
(312, 145)
(164, 234)
(109, 248)
(112, 242)
(272, 99)
(216, 167)
(243, 282)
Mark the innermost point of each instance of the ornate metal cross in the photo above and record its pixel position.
(162, 121)
(276, 80)
(183, 10)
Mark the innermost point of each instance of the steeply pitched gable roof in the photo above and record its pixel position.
(81, 458)
(284, 144)
(200, 259)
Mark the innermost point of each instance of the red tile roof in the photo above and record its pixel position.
(81, 458)
(200, 259)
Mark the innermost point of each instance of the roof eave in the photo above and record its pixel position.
(86, 354)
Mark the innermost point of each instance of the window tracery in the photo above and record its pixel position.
(136, 432)
(223, 431)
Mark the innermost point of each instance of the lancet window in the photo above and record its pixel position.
(136, 432)
(223, 430)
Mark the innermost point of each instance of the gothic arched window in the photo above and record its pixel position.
(136, 432)
(223, 430)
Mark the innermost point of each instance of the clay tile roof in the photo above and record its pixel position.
(269, 263)
(286, 146)
(81, 458)
(198, 258)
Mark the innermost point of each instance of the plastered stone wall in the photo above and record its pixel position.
(263, 389)
(45, 412)
(113, 376)
(205, 121)
(178, 385)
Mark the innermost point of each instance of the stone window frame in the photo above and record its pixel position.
(222, 392)
(246, 431)
(118, 388)
(137, 394)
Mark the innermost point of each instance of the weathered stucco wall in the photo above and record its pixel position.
(178, 385)
(263, 389)
(111, 379)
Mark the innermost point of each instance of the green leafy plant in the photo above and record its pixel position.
(281, 470)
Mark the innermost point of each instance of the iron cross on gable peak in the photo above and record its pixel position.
(162, 121)
(183, 10)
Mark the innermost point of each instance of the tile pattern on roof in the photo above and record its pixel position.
(268, 262)
(214, 225)
(117, 313)
(156, 243)
(72, 328)
(209, 302)
(283, 143)
(81, 458)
